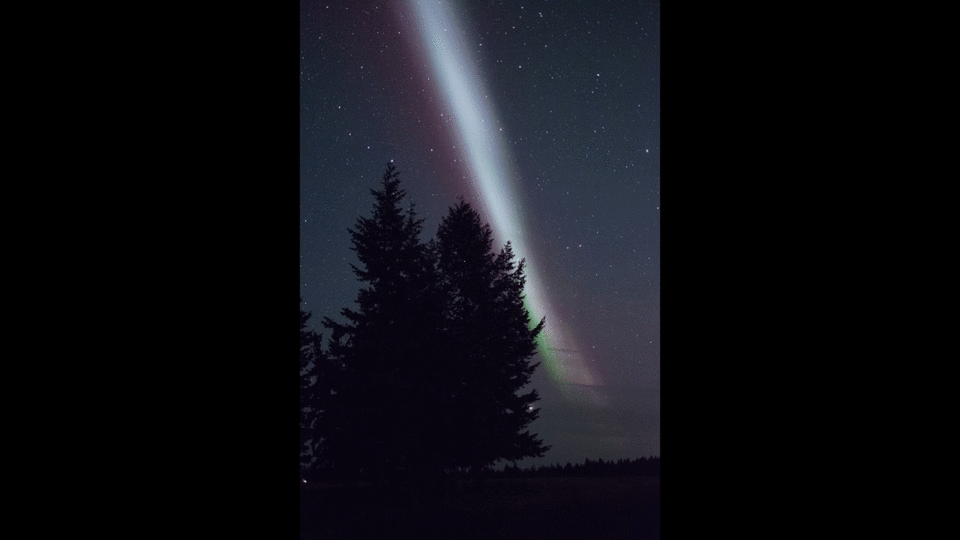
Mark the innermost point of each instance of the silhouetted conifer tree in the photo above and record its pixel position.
(432, 364)
(381, 412)
(489, 340)
(312, 366)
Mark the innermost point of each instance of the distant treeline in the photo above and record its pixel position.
(648, 466)
(589, 468)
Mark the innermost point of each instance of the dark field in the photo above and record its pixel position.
(519, 508)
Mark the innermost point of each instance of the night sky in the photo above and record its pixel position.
(545, 116)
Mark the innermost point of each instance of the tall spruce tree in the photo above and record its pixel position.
(387, 346)
(489, 341)
(312, 367)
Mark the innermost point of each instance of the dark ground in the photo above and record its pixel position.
(520, 508)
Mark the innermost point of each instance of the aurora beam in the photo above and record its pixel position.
(480, 138)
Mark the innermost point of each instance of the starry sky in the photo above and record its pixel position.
(545, 116)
